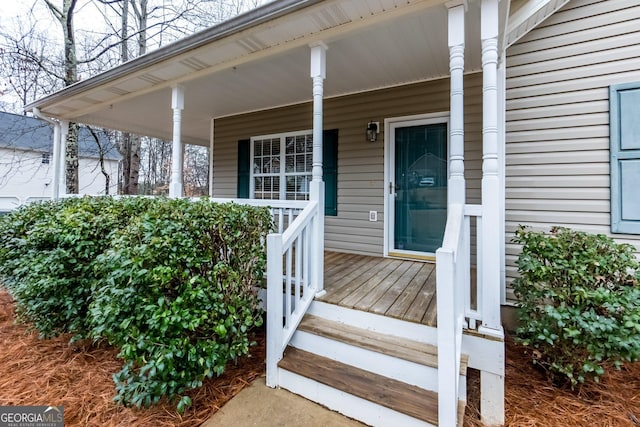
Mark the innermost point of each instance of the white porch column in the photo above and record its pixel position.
(490, 171)
(502, 156)
(177, 104)
(55, 180)
(211, 158)
(62, 157)
(491, 384)
(316, 190)
(456, 186)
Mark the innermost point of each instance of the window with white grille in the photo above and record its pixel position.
(281, 166)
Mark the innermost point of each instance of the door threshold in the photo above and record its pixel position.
(413, 256)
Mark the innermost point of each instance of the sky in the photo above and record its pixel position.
(12, 10)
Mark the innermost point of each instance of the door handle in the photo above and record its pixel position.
(392, 190)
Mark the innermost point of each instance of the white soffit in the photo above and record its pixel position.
(372, 44)
(528, 14)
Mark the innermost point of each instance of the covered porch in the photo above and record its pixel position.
(286, 74)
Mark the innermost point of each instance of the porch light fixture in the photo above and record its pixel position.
(373, 129)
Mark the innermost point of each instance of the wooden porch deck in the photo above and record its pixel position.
(390, 287)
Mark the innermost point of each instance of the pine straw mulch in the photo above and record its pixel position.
(532, 401)
(52, 372)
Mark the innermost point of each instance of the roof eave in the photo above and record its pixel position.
(227, 28)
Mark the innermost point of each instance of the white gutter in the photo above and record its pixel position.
(57, 148)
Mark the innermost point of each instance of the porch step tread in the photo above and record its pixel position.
(402, 348)
(401, 397)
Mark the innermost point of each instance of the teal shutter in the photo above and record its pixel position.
(624, 110)
(330, 171)
(244, 165)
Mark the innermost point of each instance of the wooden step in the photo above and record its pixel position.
(396, 395)
(402, 348)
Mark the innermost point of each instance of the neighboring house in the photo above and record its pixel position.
(346, 117)
(26, 161)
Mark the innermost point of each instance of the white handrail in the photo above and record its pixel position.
(453, 282)
(283, 211)
(273, 203)
(289, 292)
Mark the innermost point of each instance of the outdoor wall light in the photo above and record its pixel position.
(373, 129)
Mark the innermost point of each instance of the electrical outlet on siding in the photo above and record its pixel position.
(373, 216)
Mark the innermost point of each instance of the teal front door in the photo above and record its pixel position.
(419, 163)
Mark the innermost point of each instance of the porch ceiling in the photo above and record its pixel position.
(261, 60)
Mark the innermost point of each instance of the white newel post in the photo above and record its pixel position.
(177, 105)
(491, 385)
(274, 307)
(318, 74)
(457, 186)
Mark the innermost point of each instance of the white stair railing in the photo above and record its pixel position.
(283, 212)
(290, 284)
(452, 278)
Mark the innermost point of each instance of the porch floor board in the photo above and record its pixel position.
(391, 287)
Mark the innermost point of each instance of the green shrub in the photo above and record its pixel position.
(178, 295)
(579, 302)
(171, 283)
(48, 254)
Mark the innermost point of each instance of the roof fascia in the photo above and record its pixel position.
(517, 25)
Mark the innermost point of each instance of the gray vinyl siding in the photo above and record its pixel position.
(360, 163)
(558, 78)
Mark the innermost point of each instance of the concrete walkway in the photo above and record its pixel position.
(259, 405)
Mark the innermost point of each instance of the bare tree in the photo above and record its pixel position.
(103, 149)
(196, 171)
(146, 23)
(27, 68)
(155, 166)
(64, 16)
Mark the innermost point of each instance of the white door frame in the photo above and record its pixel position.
(390, 125)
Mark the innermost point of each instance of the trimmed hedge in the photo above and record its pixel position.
(170, 282)
(579, 306)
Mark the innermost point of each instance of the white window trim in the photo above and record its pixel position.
(282, 175)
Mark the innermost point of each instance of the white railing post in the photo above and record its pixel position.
(447, 381)
(450, 314)
(274, 307)
(177, 105)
